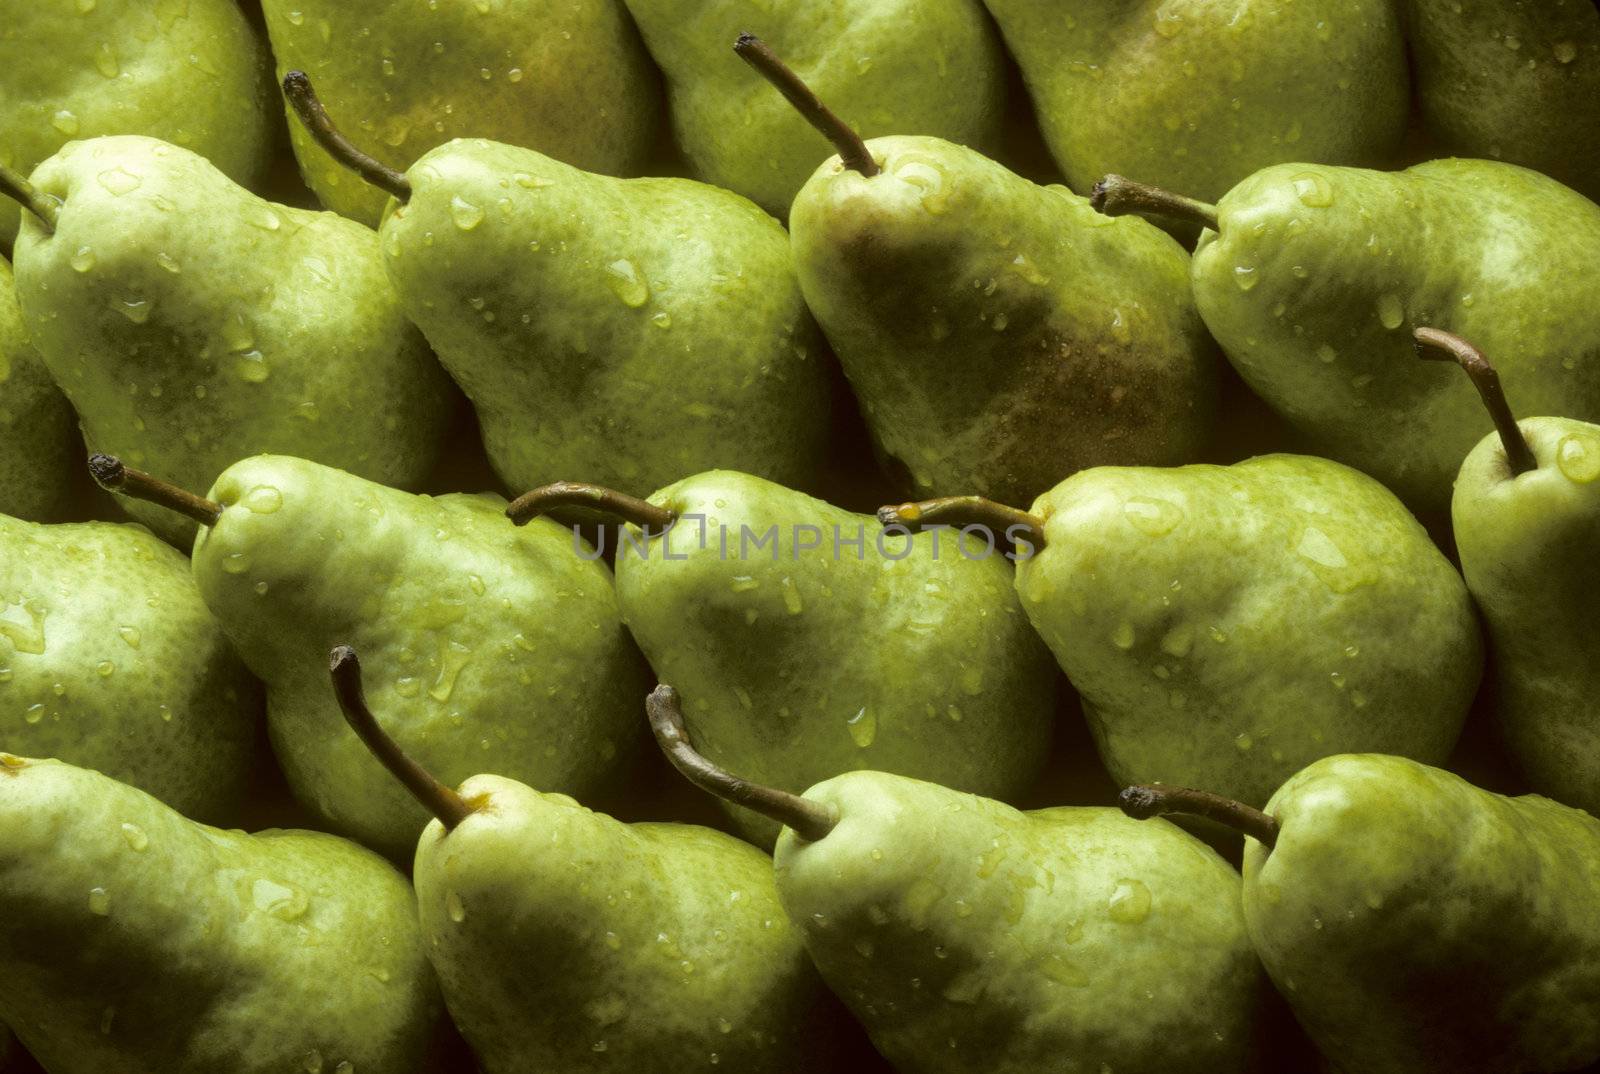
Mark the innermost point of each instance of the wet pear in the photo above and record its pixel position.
(195, 950)
(41, 453)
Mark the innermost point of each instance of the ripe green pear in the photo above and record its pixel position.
(566, 77)
(41, 453)
(110, 660)
(1195, 95)
(192, 324)
(190, 72)
(135, 940)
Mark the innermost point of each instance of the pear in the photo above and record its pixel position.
(1195, 95)
(192, 324)
(190, 72)
(807, 644)
(491, 642)
(1418, 924)
(41, 454)
(966, 935)
(1227, 625)
(1314, 278)
(566, 77)
(931, 67)
(136, 940)
(634, 330)
(1526, 516)
(996, 333)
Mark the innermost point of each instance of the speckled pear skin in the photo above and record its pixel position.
(566, 77)
(631, 331)
(197, 950)
(1527, 546)
(41, 453)
(109, 660)
(1227, 625)
(1320, 274)
(966, 935)
(192, 324)
(190, 72)
(482, 641)
(999, 334)
(883, 66)
(566, 940)
(1420, 925)
(1515, 81)
(795, 665)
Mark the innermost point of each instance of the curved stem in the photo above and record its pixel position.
(1118, 196)
(997, 518)
(546, 498)
(1143, 801)
(809, 820)
(1440, 346)
(25, 194)
(436, 798)
(112, 475)
(851, 149)
(297, 89)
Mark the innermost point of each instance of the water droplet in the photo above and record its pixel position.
(465, 214)
(662, 319)
(1243, 742)
(282, 901)
(863, 727)
(1245, 276)
(1129, 903)
(263, 500)
(105, 668)
(99, 902)
(136, 310)
(252, 367)
(82, 259)
(119, 181)
(791, 596)
(1578, 457)
(1152, 516)
(105, 60)
(1313, 190)
(1391, 311)
(1327, 355)
(169, 263)
(130, 635)
(1123, 636)
(454, 907)
(622, 276)
(928, 177)
(1565, 51)
(236, 563)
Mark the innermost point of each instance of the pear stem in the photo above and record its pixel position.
(999, 519)
(1143, 801)
(852, 150)
(436, 798)
(1440, 346)
(111, 474)
(1117, 196)
(25, 194)
(303, 99)
(809, 820)
(546, 498)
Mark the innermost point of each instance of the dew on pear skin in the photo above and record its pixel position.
(130, 635)
(1129, 903)
(105, 669)
(263, 500)
(791, 596)
(1578, 457)
(626, 282)
(1245, 276)
(928, 178)
(1151, 516)
(455, 908)
(99, 902)
(465, 214)
(1391, 312)
(136, 310)
(863, 727)
(236, 563)
(106, 62)
(1565, 51)
(82, 259)
(1243, 742)
(1122, 636)
(1327, 355)
(252, 367)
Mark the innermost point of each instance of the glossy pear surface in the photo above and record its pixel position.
(1319, 275)
(41, 454)
(797, 663)
(1420, 925)
(999, 334)
(1227, 625)
(195, 950)
(629, 331)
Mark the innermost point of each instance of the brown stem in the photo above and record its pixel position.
(436, 798)
(1440, 346)
(25, 194)
(1118, 196)
(546, 498)
(809, 820)
(112, 475)
(1143, 801)
(997, 518)
(852, 150)
(303, 99)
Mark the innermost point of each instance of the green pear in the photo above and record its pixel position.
(1226, 625)
(567, 940)
(807, 643)
(966, 935)
(1197, 94)
(1526, 516)
(192, 324)
(636, 331)
(136, 940)
(1418, 924)
(1513, 81)
(110, 660)
(931, 67)
(566, 77)
(490, 642)
(41, 453)
(1313, 278)
(190, 72)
